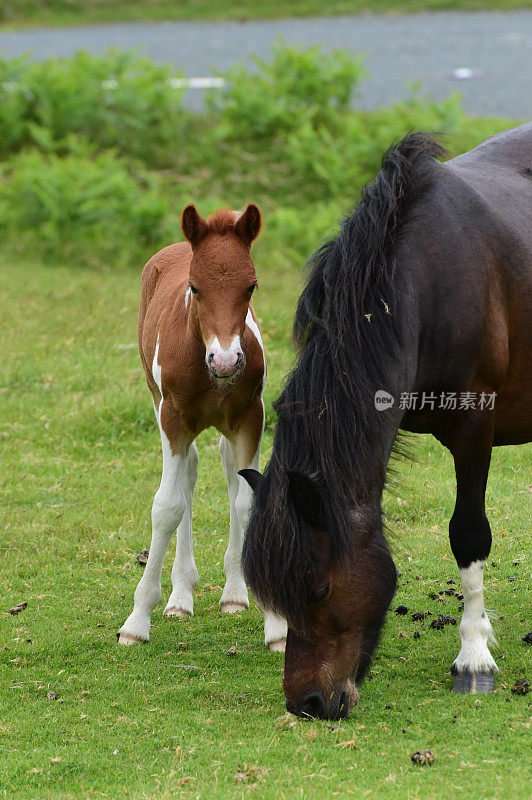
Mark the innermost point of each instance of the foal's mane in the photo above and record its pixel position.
(348, 328)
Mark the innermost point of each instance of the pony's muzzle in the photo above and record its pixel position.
(336, 705)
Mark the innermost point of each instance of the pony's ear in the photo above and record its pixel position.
(193, 225)
(253, 477)
(248, 224)
(305, 494)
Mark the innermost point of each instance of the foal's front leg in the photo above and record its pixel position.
(168, 507)
(184, 572)
(474, 667)
(243, 453)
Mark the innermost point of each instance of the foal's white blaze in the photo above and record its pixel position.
(475, 627)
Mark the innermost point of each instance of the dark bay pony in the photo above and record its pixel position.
(201, 348)
(416, 316)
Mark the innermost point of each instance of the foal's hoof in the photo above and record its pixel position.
(278, 646)
(125, 638)
(232, 608)
(466, 683)
(176, 612)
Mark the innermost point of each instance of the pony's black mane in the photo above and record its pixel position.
(349, 330)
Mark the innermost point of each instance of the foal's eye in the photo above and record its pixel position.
(192, 288)
(252, 288)
(321, 593)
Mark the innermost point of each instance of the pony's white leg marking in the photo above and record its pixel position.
(235, 593)
(475, 628)
(184, 572)
(167, 510)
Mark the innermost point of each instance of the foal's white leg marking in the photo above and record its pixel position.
(235, 593)
(475, 627)
(184, 572)
(168, 507)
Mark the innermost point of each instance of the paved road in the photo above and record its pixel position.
(400, 50)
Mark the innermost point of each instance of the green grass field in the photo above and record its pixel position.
(179, 717)
(89, 187)
(72, 12)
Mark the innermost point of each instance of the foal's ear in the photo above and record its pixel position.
(248, 225)
(253, 477)
(193, 225)
(305, 494)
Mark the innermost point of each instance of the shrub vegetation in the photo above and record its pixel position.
(100, 154)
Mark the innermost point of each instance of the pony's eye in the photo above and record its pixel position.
(252, 288)
(192, 288)
(321, 593)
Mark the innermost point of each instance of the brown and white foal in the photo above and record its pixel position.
(202, 352)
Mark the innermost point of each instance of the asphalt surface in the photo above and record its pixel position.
(427, 48)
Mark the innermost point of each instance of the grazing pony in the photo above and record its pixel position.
(416, 316)
(201, 348)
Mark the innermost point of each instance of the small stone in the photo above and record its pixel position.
(232, 651)
(401, 610)
(142, 557)
(422, 758)
(521, 687)
(51, 696)
(18, 608)
(527, 639)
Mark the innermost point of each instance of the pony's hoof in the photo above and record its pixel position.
(125, 638)
(467, 683)
(232, 608)
(176, 612)
(279, 646)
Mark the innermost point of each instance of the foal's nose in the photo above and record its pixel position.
(225, 362)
